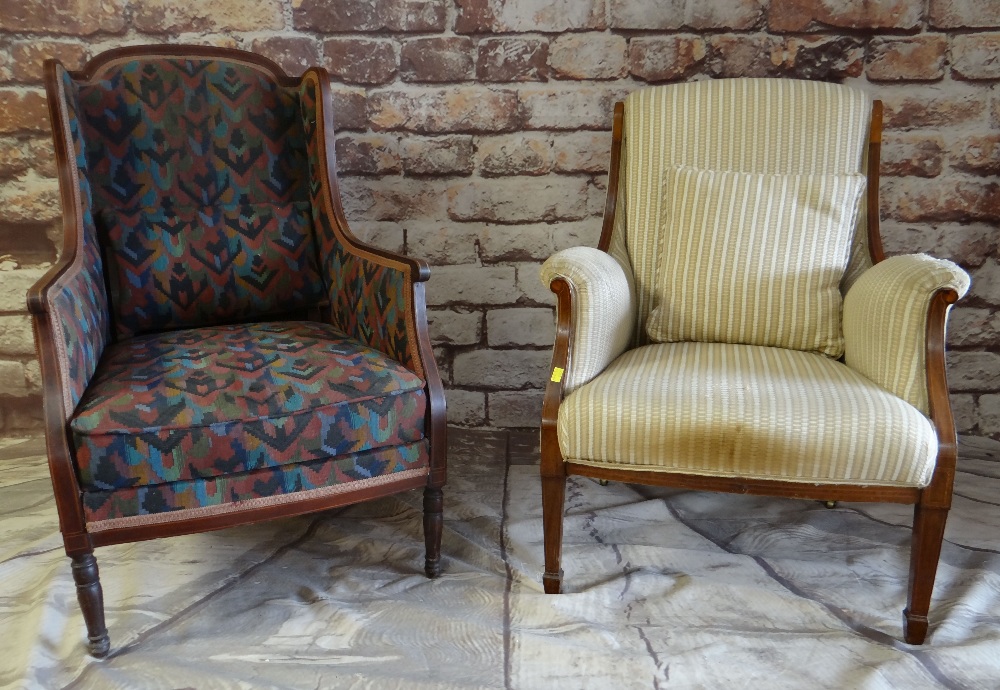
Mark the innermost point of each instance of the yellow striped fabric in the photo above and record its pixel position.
(885, 321)
(766, 126)
(754, 259)
(603, 310)
(717, 409)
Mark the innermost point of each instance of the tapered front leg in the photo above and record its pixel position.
(433, 526)
(91, 598)
(928, 535)
(553, 501)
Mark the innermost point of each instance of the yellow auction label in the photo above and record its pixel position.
(557, 373)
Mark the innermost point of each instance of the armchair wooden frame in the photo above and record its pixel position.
(931, 504)
(78, 540)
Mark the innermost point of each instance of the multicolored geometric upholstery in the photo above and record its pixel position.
(85, 329)
(218, 401)
(172, 268)
(266, 483)
(202, 188)
(367, 298)
(189, 156)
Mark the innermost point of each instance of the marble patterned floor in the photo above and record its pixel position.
(666, 589)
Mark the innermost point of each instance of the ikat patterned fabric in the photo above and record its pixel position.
(368, 296)
(275, 480)
(79, 310)
(217, 263)
(187, 156)
(216, 401)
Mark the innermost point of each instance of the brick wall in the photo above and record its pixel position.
(474, 133)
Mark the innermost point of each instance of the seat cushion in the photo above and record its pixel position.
(754, 259)
(746, 411)
(211, 402)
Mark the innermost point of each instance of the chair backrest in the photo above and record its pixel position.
(198, 171)
(769, 126)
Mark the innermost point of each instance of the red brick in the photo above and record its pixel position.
(455, 109)
(588, 56)
(743, 55)
(956, 14)
(23, 110)
(911, 155)
(350, 108)
(72, 17)
(367, 155)
(958, 200)
(567, 108)
(819, 58)
(27, 57)
(294, 54)
(979, 155)
(502, 16)
(588, 152)
(931, 107)
(512, 59)
(976, 56)
(519, 199)
(526, 153)
(916, 58)
(665, 58)
(360, 60)
(437, 59)
(178, 16)
(450, 155)
(820, 15)
(674, 14)
(14, 158)
(394, 198)
(967, 244)
(346, 16)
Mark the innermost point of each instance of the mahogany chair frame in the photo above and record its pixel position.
(78, 541)
(931, 504)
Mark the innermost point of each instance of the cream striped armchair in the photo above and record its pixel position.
(738, 328)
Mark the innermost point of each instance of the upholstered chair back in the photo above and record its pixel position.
(765, 126)
(200, 193)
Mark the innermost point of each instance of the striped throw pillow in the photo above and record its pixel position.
(754, 259)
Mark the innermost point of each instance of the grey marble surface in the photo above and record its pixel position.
(665, 589)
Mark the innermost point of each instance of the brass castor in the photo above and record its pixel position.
(830, 504)
(602, 482)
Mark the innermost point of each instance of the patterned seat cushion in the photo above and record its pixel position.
(726, 410)
(218, 401)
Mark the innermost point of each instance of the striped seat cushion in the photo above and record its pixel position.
(725, 410)
(754, 258)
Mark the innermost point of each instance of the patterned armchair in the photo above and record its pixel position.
(217, 348)
(738, 328)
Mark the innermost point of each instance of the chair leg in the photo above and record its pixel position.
(928, 534)
(91, 598)
(553, 505)
(433, 526)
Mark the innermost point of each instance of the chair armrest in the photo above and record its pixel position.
(602, 317)
(375, 296)
(886, 327)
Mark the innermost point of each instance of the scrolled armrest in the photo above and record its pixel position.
(603, 306)
(885, 321)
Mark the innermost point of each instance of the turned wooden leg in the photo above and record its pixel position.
(433, 525)
(553, 503)
(91, 598)
(928, 534)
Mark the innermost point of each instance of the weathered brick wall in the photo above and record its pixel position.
(474, 133)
